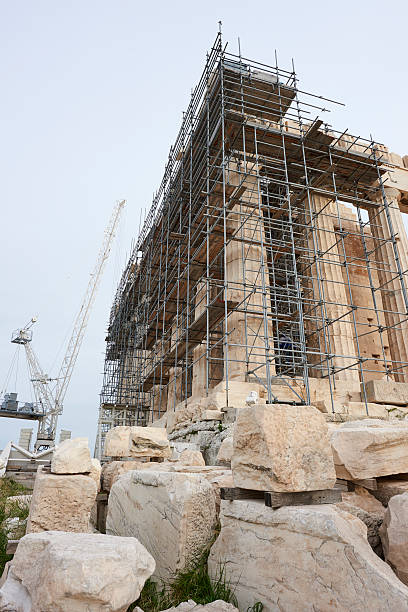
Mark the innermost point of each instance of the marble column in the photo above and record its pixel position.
(175, 385)
(392, 286)
(250, 332)
(201, 383)
(328, 285)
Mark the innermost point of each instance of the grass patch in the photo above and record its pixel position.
(193, 583)
(152, 598)
(9, 488)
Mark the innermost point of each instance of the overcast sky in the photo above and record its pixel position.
(92, 97)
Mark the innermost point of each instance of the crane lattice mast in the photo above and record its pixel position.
(52, 403)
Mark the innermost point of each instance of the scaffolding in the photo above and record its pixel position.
(269, 255)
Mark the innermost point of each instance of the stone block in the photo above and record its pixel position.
(172, 514)
(61, 503)
(370, 448)
(345, 392)
(387, 392)
(178, 447)
(304, 558)
(149, 442)
(112, 470)
(278, 447)
(95, 473)
(394, 535)
(224, 455)
(66, 572)
(4, 574)
(367, 508)
(191, 457)
(217, 477)
(326, 406)
(117, 442)
(72, 457)
(183, 415)
(375, 411)
(238, 391)
(212, 415)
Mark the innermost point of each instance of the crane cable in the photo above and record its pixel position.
(62, 345)
(15, 380)
(10, 372)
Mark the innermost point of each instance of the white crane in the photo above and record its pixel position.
(50, 401)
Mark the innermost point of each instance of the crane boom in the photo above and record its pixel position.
(48, 425)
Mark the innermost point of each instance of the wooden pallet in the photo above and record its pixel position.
(275, 499)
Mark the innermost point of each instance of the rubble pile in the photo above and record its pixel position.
(333, 497)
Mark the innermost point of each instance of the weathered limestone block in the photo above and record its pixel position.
(370, 448)
(95, 473)
(326, 407)
(4, 574)
(65, 572)
(387, 392)
(117, 441)
(224, 479)
(14, 597)
(72, 457)
(217, 476)
(172, 514)
(282, 448)
(368, 509)
(213, 407)
(184, 414)
(191, 457)
(375, 411)
(224, 455)
(210, 440)
(302, 558)
(61, 503)
(344, 393)
(394, 535)
(112, 470)
(178, 447)
(212, 415)
(363, 499)
(126, 441)
(149, 442)
(238, 391)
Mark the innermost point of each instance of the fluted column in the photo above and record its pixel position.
(250, 332)
(386, 222)
(214, 367)
(328, 285)
(175, 385)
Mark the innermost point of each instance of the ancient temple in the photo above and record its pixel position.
(273, 259)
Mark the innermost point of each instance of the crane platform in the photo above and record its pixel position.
(22, 414)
